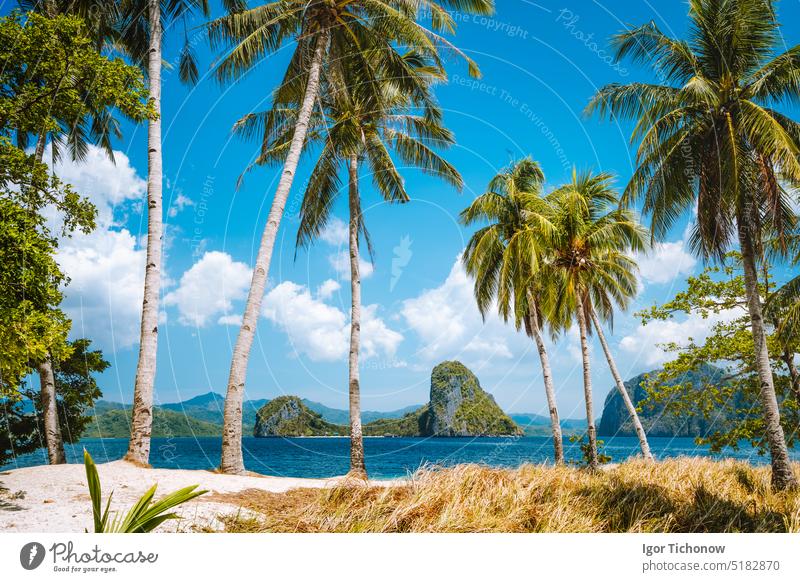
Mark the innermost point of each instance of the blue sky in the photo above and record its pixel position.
(541, 62)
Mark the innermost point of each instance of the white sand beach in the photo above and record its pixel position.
(55, 498)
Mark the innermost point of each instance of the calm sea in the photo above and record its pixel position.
(385, 457)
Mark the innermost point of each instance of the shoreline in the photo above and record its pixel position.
(55, 498)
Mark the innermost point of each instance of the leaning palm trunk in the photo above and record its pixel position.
(50, 424)
(782, 475)
(637, 423)
(232, 460)
(547, 374)
(357, 466)
(142, 412)
(587, 386)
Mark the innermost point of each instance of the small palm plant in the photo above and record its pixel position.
(144, 516)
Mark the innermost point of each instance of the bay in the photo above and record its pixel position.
(386, 458)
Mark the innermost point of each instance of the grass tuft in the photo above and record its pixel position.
(678, 495)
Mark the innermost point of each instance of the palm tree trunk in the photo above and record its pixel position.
(547, 373)
(142, 412)
(637, 423)
(782, 475)
(591, 430)
(232, 460)
(357, 466)
(50, 424)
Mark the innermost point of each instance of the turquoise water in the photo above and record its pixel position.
(385, 457)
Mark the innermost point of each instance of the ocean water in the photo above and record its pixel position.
(385, 457)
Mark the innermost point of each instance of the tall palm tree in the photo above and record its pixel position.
(591, 271)
(141, 36)
(504, 258)
(710, 136)
(328, 36)
(354, 125)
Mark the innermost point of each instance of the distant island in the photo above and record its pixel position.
(458, 406)
(287, 416)
(617, 422)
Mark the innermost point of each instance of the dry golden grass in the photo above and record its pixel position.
(678, 495)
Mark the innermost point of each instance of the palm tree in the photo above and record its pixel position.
(355, 126)
(328, 36)
(591, 271)
(709, 135)
(504, 258)
(141, 34)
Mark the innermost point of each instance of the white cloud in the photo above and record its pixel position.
(448, 324)
(105, 183)
(181, 201)
(105, 267)
(328, 288)
(321, 331)
(644, 342)
(208, 289)
(341, 264)
(376, 337)
(666, 262)
(104, 297)
(336, 232)
(235, 320)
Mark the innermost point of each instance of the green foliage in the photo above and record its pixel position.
(590, 261)
(145, 515)
(718, 292)
(709, 134)
(504, 256)
(76, 389)
(54, 81)
(18, 431)
(408, 425)
(586, 450)
(31, 326)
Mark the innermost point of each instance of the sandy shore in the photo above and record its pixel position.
(56, 498)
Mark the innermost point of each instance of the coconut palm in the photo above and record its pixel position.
(328, 36)
(710, 137)
(590, 271)
(354, 127)
(504, 258)
(141, 35)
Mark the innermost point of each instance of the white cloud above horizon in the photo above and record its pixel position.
(448, 324)
(643, 343)
(209, 288)
(106, 266)
(335, 232)
(321, 331)
(665, 262)
(341, 265)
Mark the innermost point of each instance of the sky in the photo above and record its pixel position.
(541, 62)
